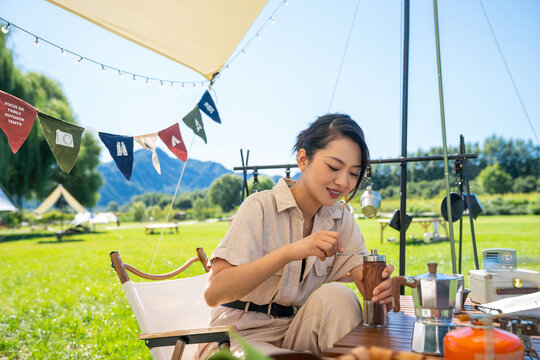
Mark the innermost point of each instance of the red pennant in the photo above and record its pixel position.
(16, 119)
(173, 139)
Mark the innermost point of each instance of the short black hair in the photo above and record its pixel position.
(328, 128)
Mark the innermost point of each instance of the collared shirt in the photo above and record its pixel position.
(268, 220)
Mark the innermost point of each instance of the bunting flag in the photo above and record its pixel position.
(63, 138)
(149, 143)
(194, 121)
(207, 106)
(121, 149)
(173, 139)
(16, 119)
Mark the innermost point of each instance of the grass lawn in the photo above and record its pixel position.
(62, 300)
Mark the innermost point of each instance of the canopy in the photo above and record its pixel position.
(200, 34)
(5, 202)
(53, 198)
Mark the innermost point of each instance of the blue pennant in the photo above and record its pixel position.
(207, 106)
(121, 149)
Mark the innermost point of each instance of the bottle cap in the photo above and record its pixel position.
(374, 256)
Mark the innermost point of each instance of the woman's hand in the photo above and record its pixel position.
(321, 244)
(383, 292)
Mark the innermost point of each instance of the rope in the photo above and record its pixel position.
(343, 56)
(172, 202)
(509, 73)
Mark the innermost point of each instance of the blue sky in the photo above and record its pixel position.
(286, 79)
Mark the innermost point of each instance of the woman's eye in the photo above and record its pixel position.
(354, 174)
(332, 168)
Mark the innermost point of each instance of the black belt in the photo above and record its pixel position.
(276, 310)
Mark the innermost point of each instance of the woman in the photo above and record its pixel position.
(266, 274)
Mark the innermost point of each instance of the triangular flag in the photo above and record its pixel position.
(173, 139)
(63, 138)
(121, 149)
(207, 106)
(16, 119)
(194, 121)
(149, 143)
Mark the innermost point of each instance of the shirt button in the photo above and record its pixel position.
(328, 269)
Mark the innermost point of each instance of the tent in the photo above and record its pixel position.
(201, 35)
(53, 198)
(5, 203)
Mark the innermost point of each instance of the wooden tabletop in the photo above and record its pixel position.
(396, 336)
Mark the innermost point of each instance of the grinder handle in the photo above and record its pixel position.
(397, 283)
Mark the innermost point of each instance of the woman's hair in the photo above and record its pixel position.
(328, 128)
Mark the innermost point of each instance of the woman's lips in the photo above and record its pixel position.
(334, 193)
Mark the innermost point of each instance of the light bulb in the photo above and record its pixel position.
(272, 21)
(259, 37)
(146, 82)
(78, 61)
(244, 52)
(36, 42)
(183, 88)
(171, 86)
(161, 83)
(134, 79)
(120, 73)
(63, 51)
(5, 28)
(103, 69)
(286, 2)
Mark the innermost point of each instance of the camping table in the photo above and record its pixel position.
(151, 227)
(425, 222)
(397, 335)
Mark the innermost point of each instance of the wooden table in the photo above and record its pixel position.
(424, 222)
(397, 335)
(151, 227)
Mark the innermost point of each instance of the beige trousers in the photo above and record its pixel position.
(330, 313)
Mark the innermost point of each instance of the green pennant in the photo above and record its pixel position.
(63, 138)
(194, 121)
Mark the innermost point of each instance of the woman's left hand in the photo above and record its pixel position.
(383, 292)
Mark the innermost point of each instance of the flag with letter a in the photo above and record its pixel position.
(173, 139)
(149, 143)
(63, 138)
(194, 121)
(121, 149)
(16, 119)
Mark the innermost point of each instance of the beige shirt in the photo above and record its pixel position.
(270, 219)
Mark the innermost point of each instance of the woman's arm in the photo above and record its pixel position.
(227, 282)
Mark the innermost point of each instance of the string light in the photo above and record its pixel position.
(161, 83)
(5, 29)
(171, 85)
(134, 79)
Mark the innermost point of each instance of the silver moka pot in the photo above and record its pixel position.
(434, 297)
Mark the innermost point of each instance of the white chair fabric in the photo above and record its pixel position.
(169, 305)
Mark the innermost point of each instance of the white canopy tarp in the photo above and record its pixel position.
(53, 198)
(200, 34)
(5, 202)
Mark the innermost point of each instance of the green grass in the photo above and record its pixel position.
(64, 301)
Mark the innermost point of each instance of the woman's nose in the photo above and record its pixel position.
(342, 179)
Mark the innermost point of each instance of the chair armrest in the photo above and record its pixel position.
(219, 334)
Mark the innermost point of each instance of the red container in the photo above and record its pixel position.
(482, 341)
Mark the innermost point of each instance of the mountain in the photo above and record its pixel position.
(198, 175)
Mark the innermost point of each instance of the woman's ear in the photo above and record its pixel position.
(301, 159)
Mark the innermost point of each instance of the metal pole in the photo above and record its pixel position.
(445, 152)
(403, 178)
(467, 187)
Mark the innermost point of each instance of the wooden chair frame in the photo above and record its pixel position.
(178, 338)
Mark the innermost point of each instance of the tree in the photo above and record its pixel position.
(198, 209)
(112, 206)
(225, 191)
(495, 180)
(138, 211)
(33, 172)
(524, 184)
(265, 183)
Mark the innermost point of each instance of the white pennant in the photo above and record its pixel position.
(149, 142)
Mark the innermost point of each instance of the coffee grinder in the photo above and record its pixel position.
(374, 313)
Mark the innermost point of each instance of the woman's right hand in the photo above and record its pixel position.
(321, 244)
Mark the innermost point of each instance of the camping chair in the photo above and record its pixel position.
(162, 307)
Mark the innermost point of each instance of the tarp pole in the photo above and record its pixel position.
(445, 150)
(403, 177)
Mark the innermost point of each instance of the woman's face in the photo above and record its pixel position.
(333, 172)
